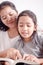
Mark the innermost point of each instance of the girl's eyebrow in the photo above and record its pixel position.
(24, 23)
(21, 22)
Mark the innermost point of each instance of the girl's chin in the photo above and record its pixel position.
(26, 37)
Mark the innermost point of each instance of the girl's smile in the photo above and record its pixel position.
(26, 26)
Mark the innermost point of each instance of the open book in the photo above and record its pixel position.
(17, 62)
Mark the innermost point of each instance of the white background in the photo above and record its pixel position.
(34, 5)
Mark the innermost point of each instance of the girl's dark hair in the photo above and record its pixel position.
(2, 5)
(28, 13)
(31, 15)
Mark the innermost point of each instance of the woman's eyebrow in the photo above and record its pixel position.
(3, 16)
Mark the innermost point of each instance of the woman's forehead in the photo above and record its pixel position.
(7, 10)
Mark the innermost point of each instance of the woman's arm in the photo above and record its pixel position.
(11, 53)
(3, 54)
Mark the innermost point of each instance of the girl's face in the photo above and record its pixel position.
(8, 16)
(26, 27)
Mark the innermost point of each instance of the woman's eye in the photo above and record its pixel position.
(3, 18)
(11, 14)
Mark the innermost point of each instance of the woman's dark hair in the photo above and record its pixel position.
(30, 14)
(3, 27)
(2, 5)
(7, 3)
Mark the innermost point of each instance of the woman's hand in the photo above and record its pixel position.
(13, 54)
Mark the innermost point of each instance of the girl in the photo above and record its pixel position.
(30, 42)
(8, 29)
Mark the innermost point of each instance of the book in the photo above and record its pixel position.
(17, 62)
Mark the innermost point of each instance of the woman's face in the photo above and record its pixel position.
(26, 26)
(8, 16)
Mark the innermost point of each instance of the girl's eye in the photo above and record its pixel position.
(28, 25)
(21, 25)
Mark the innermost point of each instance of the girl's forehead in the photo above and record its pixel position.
(25, 19)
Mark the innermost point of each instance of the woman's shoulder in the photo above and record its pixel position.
(2, 33)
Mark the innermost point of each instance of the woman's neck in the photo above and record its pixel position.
(12, 32)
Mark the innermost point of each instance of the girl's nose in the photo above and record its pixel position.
(25, 27)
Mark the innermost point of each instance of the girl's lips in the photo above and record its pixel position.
(24, 33)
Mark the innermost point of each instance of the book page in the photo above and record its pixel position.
(18, 62)
(24, 62)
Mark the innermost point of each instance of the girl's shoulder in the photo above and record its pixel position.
(19, 43)
(39, 39)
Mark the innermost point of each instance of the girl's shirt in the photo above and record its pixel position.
(6, 42)
(34, 47)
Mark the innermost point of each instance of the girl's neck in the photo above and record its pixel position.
(27, 40)
(12, 32)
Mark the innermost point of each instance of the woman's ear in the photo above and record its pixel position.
(35, 27)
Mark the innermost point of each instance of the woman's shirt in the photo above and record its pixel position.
(6, 42)
(34, 47)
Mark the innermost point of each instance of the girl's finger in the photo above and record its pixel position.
(25, 56)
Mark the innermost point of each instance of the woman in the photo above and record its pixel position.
(8, 28)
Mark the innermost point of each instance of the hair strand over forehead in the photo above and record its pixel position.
(30, 14)
(7, 3)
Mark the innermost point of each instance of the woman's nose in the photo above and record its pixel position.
(8, 17)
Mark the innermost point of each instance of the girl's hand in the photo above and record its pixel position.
(30, 57)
